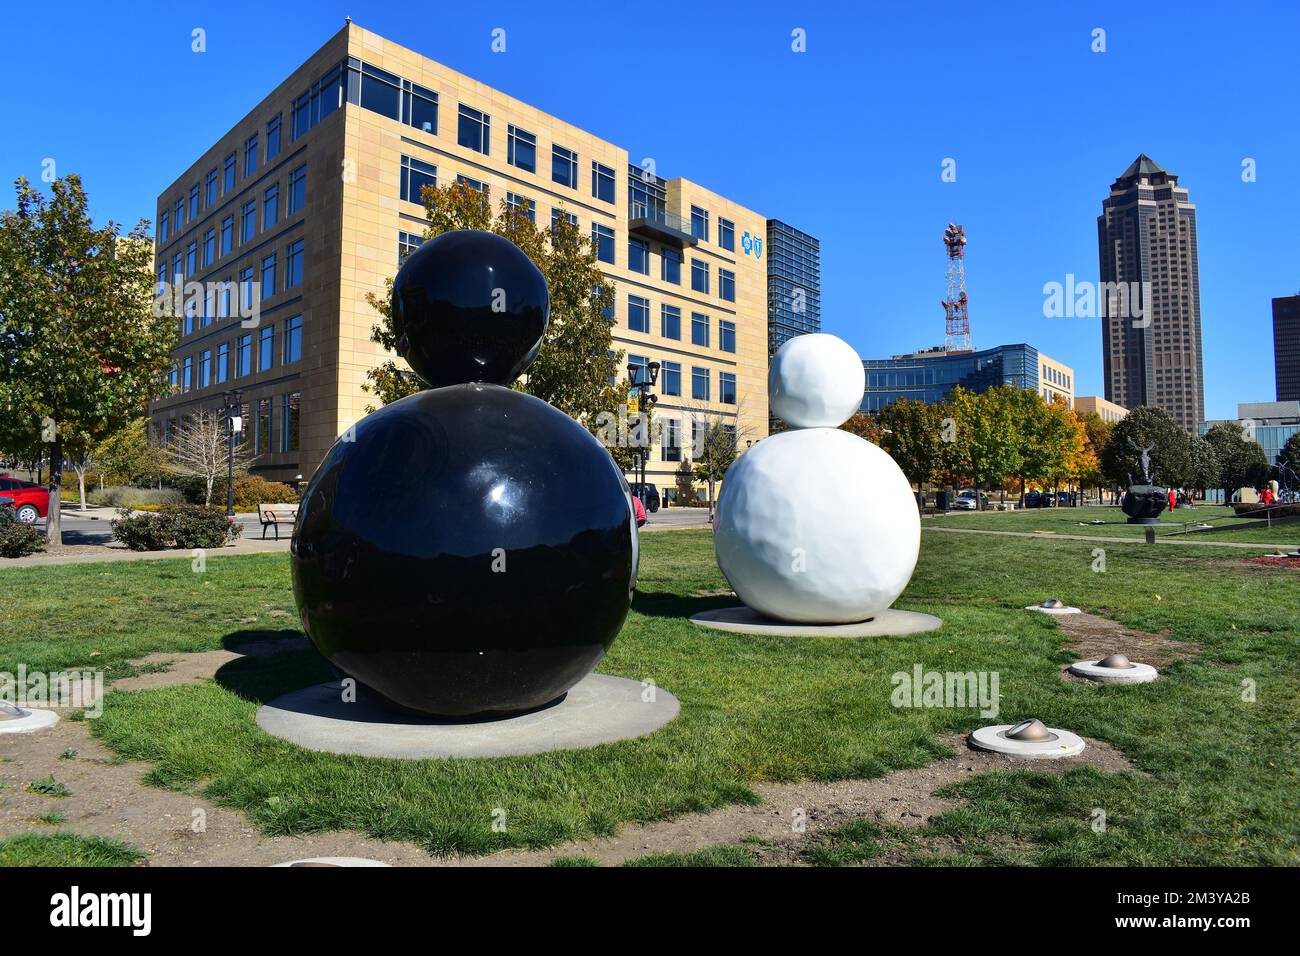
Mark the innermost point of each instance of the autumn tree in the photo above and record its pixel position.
(912, 433)
(128, 455)
(864, 426)
(1242, 460)
(81, 348)
(986, 441)
(1096, 434)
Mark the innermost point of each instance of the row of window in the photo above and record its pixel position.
(670, 323)
(670, 380)
(258, 416)
(234, 359)
(254, 285)
(670, 268)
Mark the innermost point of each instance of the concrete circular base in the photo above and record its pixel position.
(888, 623)
(1137, 674)
(1065, 743)
(31, 720)
(332, 861)
(1054, 611)
(598, 710)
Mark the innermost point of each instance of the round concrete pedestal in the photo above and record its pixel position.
(888, 623)
(598, 710)
(1054, 611)
(29, 721)
(332, 861)
(1133, 674)
(1062, 744)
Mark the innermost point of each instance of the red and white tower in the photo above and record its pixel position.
(956, 321)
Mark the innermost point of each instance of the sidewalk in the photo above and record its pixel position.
(89, 554)
(1269, 547)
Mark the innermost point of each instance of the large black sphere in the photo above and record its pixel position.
(469, 306)
(471, 551)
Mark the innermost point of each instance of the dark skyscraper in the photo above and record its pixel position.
(1151, 296)
(794, 284)
(1286, 347)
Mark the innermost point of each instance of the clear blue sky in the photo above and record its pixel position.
(844, 141)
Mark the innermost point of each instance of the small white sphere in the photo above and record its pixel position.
(815, 381)
(817, 526)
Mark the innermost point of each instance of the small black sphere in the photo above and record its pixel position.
(469, 306)
(470, 551)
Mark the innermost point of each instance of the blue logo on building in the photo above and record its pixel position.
(752, 244)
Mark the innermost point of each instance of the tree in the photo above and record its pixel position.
(716, 441)
(1204, 468)
(1096, 434)
(1045, 435)
(81, 348)
(1146, 427)
(1241, 459)
(864, 426)
(1288, 461)
(128, 456)
(199, 448)
(577, 363)
(986, 444)
(685, 479)
(912, 434)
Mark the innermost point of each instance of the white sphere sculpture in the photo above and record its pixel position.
(816, 525)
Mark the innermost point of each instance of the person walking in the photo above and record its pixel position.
(1173, 499)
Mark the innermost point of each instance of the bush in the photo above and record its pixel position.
(124, 496)
(182, 527)
(252, 490)
(16, 538)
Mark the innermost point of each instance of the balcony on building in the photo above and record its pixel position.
(657, 223)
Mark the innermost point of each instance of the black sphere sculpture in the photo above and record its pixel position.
(467, 551)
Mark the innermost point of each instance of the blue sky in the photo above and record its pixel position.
(845, 141)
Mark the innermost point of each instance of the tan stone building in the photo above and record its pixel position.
(1055, 380)
(1109, 411)
(308, 203)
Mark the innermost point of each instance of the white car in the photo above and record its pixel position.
(966, 501)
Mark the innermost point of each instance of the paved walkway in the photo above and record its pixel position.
(1269, 546)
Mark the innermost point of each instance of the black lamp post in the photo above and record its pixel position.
(232, 408)
(641, 377)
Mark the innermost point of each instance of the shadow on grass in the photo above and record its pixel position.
(665, 604)
(270, 672)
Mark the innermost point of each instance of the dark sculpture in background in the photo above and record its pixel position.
(469, 550)
(1143, 503)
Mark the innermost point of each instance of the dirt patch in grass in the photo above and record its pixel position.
(1274, 561)
(1093, 637)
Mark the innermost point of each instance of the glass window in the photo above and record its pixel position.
(700, 383)
(670, 378)
(192, 259)
(209, 247)
(164, 226)
(187, 373)
(421, 107)
(293, 265)
(230, 174)
(700, 223)
(557, 212)
(638, 313)
(699, 329)
(670, 262)
(223, 362)
(270, 206)
(602, 240)
(292, 339)
(416, 174)
(670, 321)
(289, 421)
(318, 102)
(727, 388)
(273, 138)
(178, 267)
(521, 149)
(522, 204)
(726, 335)
(564, 166)
(250, 155)
(672, 440)
(727, 234)
(268, 277)
(297, 189)
(180, 215)
(266, 348)
(194, 202)
(227, 235)
(211, 185)
(474, 130)
(407, 242)
(638, 255)
(381, 91)
(602, 182)
(699, 275)
(263, 429)
(727, 285)
(246, 290)
(205, 368)
(248, 222)
(244, 355)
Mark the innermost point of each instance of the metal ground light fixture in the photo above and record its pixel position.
(641, 377)
(232, 408)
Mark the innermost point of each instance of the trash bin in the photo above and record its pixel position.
(941, 500)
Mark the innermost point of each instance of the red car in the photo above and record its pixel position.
(30, 500)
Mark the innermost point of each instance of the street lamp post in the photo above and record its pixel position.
(637, 376)
(231, 408)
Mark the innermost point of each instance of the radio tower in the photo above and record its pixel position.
(957, 324)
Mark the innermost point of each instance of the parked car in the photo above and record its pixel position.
(966, 501)
(648, 494)
(30, 500)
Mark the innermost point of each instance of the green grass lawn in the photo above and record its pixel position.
(65, 849)
(1218, 780)
(1112, 523)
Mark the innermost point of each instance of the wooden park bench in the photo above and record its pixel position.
(275, 515)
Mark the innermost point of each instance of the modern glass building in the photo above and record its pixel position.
(794, 284)
(929, 376)
(1271, 424)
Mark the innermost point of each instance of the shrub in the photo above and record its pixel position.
(16, 538)
(253, 490)
(175, 526)
(124, 496)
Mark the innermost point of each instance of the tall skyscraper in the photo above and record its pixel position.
(1151, 296)
(794, 283)
(1286, 346)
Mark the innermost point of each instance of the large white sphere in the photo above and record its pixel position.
(815, 381)
(817, 526)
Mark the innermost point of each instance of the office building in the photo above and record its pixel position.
(1095, 404)
(794, 284)
(929, 375)
(1286, 347)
